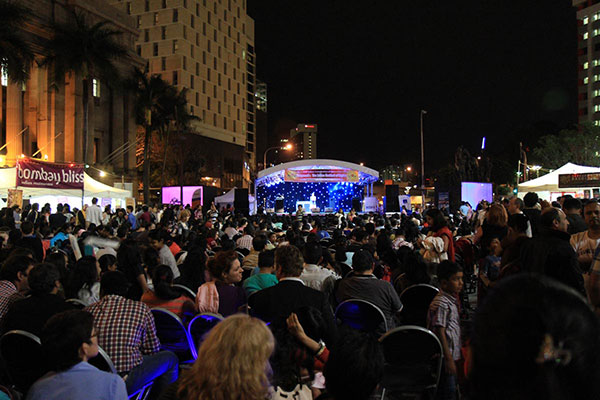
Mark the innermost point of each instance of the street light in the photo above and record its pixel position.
(286, 147)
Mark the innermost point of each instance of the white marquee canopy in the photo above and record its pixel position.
(549, 182)
(92, 187)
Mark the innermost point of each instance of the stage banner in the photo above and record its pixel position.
(39, 174)
(321, 175)
(15, 198)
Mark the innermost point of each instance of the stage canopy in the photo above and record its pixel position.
(92, 188)
(549, 182)
(319, 184)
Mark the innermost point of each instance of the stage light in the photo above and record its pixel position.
(102, 174)
(2, 159)
(287, 147)
(71, 165)
(409, 169)
(22, 156)
(46, 157)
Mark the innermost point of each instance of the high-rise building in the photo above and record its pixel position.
(588, 56)
(396, 173)
(261, 121)
(206, 46)
(43, 118)
(304, 141)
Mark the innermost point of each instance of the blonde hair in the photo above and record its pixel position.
(233, 362)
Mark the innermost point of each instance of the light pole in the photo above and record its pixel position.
(423, 112)
(286, 147)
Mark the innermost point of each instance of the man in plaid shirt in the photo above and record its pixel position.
(126, 331)
(13, 281)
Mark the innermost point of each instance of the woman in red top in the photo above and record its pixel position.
(165, 297)
(439, 226)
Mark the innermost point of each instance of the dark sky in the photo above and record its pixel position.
(363, 70)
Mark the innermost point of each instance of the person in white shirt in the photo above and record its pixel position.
(313, 275)
(158, 240)
(93, 214)
(245, 242)
(585, 243)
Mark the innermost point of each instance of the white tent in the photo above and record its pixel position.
(546, 184)
(229, 198)
(92, 188)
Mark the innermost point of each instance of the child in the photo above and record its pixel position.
(444, 320)
(265, 277)
(491, 267)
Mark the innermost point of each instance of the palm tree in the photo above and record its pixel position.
(16, 55)
(88, 51)
(149, 112)
(175, 105)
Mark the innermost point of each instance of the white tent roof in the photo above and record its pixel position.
(229, 198)
(549, 182)
(92, 188)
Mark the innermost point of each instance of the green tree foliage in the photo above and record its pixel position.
(148, 91)
(579, 146)
(16, 55)
(159, 108)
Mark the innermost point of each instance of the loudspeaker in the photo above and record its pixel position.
(240, 201)
(279, 205)
(391, 198)
(356, 205)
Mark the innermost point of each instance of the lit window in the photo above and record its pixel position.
(585, 20)
(595, 63)
(95, 88)
(597, 108)
(596, 32)
(597, 123)
(585, 80)
(3, 76)
(585, 65)
(596, 78)
(596, 92)
(585, 36)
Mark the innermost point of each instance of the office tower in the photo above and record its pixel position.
(206, 46)
(304, 140)
(588, 56)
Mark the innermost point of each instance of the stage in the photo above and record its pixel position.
(321, 186)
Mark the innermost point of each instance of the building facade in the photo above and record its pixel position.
(261, 121)
(588, 55)
(206, 46)
(304, 141)
(43, 118)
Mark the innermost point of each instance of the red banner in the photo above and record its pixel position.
(39, 174)
(321, 175)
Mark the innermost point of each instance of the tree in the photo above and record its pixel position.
(16, 55)
(88, 51)
(579, 146)
(149, 91)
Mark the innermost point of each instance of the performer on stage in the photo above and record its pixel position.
(313, 201)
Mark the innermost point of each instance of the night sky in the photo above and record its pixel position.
(362, 71)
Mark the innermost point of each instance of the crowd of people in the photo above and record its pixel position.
(86, 279)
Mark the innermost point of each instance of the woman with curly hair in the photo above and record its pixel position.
(232, 364)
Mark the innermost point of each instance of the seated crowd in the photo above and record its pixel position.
(522, 275)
